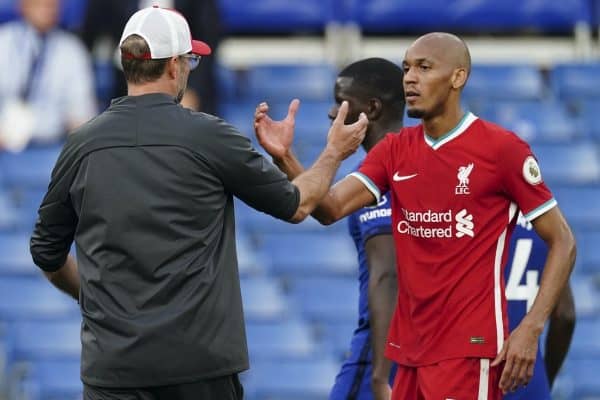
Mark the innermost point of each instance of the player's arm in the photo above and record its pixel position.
(66, 278)
(345, 197)
(560, 332)
(521, 347)
(383, 289)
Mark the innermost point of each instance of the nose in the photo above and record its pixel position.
(409, 76)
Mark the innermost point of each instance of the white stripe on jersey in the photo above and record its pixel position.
(368, 184)
(512, 211)
(484, 379)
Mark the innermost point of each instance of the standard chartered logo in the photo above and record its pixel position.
(437, 224)
(464, 224)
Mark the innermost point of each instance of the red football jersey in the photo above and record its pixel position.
(454, 205)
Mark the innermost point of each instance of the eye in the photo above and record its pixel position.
(405, 68)
(424, 67)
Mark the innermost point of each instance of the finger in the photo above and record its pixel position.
(293, 109)
(341, 115)
(515, 378)
(522, 378)
(500, 357)
(505, 378)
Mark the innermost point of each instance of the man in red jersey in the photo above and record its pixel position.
(456, 183)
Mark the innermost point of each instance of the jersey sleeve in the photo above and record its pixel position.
(373, 172)
(248, 175)
(522, 179)
(376, 220)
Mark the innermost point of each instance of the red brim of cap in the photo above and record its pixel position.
(200, 48)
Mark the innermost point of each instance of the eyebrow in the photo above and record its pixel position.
(418, 60)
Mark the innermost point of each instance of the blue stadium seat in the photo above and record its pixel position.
(576, 82)
(30, 168)
(534, 121)
(275, 15)
(23, 297)
(326, 299)
(588, 111)
(280, 340)
(580, 205)
(263, 299)
(241, 115)
(227, 83)
(250, 262)
(588, 251)
(586, 385)
(282, 83)
(304, 253)
(8, 214)
(585, 339)
(335, 336)
(576, 163)
(45, 340)
(586, 296)
(291, 380)
(312, 122)
(504, 82)
(16, 258)
(53, 380)
(476, 16)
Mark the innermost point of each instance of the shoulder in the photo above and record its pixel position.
(496, 132)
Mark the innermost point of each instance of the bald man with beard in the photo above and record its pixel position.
(456, 184)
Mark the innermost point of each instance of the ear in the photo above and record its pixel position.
(459, 78)
(172, 68)
(374, 109)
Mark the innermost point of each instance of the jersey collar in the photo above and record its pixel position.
(462, 126)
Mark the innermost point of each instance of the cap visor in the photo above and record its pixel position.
(200, 48)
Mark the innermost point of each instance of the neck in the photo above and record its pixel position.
(158, 86)
(377, 131)
(437, 126)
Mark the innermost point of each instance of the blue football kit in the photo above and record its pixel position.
(526, 260)
(354, 380)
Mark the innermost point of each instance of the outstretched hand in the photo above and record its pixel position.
(275, 136)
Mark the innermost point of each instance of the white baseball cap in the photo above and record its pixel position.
(166, 31)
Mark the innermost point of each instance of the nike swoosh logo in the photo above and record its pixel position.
(398, 178)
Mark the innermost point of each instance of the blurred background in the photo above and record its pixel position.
(536, 71)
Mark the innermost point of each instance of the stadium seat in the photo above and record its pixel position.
(263, 299)
(588, 112)
(8, 214)
(45, 340)
(30, 168)
(577, 163)
(291, 380)
(477, 16)
(580, 205)
(587, 297)
(53, 380)
(275, 15)
(312, 122)
(72, 12)
(576, 82)
(305, 253)
(326, 299)
(282, 83)
(585, 339)
(586, 385)
(335, 336)
(16, 258)
(23, 297)
(227, 83)
(588, 251)
(279, 340)
(534, 121)
(250, 262)
(504, 82)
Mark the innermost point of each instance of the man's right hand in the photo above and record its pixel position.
(345, 139)
(275, 136)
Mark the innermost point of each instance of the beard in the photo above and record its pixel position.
(415, 113)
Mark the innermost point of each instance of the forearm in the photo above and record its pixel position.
(314, 183)
(66, 278)
(325, 211)
(560, 333)
(558, 267)
(382, 300)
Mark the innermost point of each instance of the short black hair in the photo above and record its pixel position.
(378, 77)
